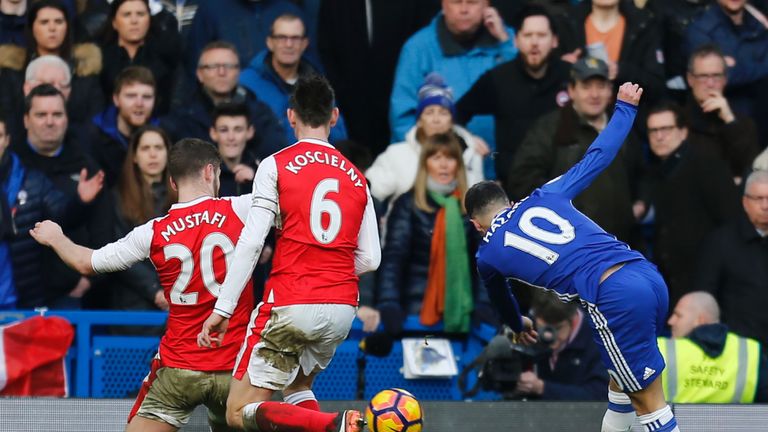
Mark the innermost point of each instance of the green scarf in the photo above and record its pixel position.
(458, 280)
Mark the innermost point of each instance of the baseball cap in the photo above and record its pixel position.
(589, 67)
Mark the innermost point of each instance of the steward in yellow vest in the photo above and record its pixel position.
(713, 365)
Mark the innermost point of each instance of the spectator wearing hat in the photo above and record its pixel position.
(394, 171)
(558, 140)
(462, 42)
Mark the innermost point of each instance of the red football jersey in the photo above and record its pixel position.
(322, 198)
(191, 248)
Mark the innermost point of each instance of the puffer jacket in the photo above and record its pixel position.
(37, 200)
(405, 258)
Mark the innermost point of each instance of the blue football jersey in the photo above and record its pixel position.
(544, 241)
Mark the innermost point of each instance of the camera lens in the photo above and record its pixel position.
(547, 334)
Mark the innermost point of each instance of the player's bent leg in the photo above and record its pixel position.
(620, 413)
(300, 393)
(242, 402)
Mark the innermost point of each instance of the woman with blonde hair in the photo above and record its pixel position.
(427, 262)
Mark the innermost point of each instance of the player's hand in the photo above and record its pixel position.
(213, 331)
(87, 189)
(530, 384)
(370, 318)
(495, 25)
(630, 93)
(46, 232)
(717, 102)
(243, 173)
(160, 300)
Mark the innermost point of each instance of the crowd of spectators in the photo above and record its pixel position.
(435, 96)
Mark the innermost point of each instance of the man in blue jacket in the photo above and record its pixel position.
(466, 39)
(274, 71)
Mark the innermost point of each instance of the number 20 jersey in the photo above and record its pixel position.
(546, 242)
(322, 199)
(191, 248)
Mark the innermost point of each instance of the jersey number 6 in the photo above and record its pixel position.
(322, 205)
(183, 254)
(566, 234)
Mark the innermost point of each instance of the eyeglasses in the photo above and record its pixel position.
(758, 198)
(218, 66)
(663, 129)
(708, 77)
(283, 39)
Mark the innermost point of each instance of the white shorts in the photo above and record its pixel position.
(281, 339)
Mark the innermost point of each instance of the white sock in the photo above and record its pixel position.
(620, 414)
(299, 397)
(661, 420)
(249, 416)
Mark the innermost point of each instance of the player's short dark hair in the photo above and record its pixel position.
(549, 308)
(481, 196)
(231, 109)
(669, 106)
(134, 75)
(706, 50)
(43, 90)
(312, 100)
(533, 10)
(189, 156)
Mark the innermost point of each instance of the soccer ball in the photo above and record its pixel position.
(394, 410)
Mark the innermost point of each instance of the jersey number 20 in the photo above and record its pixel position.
(183, 254)
(566, 234)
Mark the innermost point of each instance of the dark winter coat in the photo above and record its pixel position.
(691, 193)
(733, 266)
(193, 120)
(516, 100)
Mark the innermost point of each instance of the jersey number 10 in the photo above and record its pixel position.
(566, 234)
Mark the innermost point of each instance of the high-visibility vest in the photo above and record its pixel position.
(691, 376)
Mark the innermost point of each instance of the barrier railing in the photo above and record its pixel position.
(98, 359)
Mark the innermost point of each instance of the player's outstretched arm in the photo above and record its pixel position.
(49, 233)
(604, 149)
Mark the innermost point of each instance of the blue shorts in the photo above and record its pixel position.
(629, 313)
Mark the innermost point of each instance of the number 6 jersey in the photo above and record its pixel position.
(326, 228)
(191, 248)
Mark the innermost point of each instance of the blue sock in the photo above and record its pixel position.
(662, 420)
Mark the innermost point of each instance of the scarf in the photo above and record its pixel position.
(449, 284)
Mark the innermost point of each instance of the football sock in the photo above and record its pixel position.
(620, 414)
(281, 416)
(662, 420)
(305, 399)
